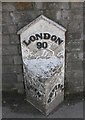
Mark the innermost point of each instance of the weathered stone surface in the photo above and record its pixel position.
(0, 6)
(12, 69)
(75, 76)
(8, 6)
(38, 5)
(9, 78)
(0, 49)
(69, 15)
(14, 39)
(20, 77)
(76, 5)
(6, 18)
(24, 5)
(65, 15)
(74, 56)
(43, 68)
(24, 17)
(10, 50)
(0, 17)
(9, 29)
(73, 36)
(17, 60)
(7, 60)
(74, 65)
(75, 46)
(56, 5)
(5, 39)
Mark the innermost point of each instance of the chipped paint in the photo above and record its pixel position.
(43, 67)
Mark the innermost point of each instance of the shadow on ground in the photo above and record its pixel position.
(16, 106)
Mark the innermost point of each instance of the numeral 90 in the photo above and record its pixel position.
(42, 45)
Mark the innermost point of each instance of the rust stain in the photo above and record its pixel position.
(23, 5)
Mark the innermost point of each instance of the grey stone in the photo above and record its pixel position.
(6, 18)
(0, 6)
(9, 29)
(7, 60)
(9, 78)
(76, 5)
(0, 29)
(17, 60)
(12, 69)
(8, 6)
(74, 65)
(56, 5)
(0, 50)
(10, 50)
(0, 39)
(73, 36)
(24, 16)
(58, 15)
(20, 77)
(14, 39)
(74, 46)
(75, 24)
(12, 29)
(39, 5)
(65, 15)
(20, 87)
(5, 39)
(64, 5)
(75, 56)
(0, 18)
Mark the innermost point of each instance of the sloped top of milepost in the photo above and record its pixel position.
(37, 20)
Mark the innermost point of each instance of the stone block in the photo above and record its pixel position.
(56, 5)
(9, 29)
(76, 5)
(12, 69)
(5, 39)
(24, 5)
(7, 60)
(38, 5)
(6, 18)
(0, 6)
(0, 39)
(76, 36)
(9, 78)
(75, 24)
(65, 15)
(17, 60)
(74, 46)
(0, 29)
(58, 15)
(0, 17)
(8, 87)
(20, 77)
(0, 50)
(75, 76)
(51, 14)
(10, 50)
(20, 87)
(9, 6)
(50, 5)
(75, 56)
(14, 39)
(74, 65)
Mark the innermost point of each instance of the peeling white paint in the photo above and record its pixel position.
(45, 66)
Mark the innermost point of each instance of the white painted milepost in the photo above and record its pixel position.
(43, 54)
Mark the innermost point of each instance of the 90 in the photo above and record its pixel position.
(42, 45)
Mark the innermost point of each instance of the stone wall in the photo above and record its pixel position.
(17, 15)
